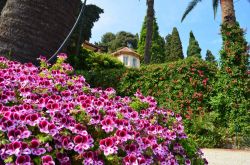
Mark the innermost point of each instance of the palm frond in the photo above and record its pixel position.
(215, 6)
(190, 7)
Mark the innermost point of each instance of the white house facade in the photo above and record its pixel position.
(128, 57)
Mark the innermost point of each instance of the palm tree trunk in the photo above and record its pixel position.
(30, 28)
(2, 4)
(228, 13)
(150, 20)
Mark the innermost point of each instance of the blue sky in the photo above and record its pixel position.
(128, 15)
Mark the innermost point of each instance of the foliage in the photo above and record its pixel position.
(99, 61)
(157, 48)
(184, 86)
(167, 47)
(50, 117)
(193, 3)
(104, 78)
(107, 40)
(193, 47)
(231, 90)
(121, 39)
(91, 15)
(190, 7)
(88, 60)
(210, 57)
(176, 52)
(235, 53)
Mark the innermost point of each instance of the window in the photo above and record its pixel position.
(134, 62)
(125, 60)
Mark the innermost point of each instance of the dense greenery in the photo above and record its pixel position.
(50, 116)
(157, 50)
(119, 40)
(210, 57)
(193, 47)
(83, 31)
(88, 60)
(175, 45)
(168, 47)
(91, 15)
(213, 102)
(231, 89)
(185, 86)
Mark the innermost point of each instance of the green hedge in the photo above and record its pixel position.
(184, 86)
(193, 88)
(89, 60)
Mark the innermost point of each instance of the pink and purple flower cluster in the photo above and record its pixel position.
(51, 117)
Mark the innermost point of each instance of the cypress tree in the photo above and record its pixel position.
(157, 48)
(168, 48)
(176, 52)
(210, 57)
(193, 47)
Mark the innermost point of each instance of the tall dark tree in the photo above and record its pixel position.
(31, 28)
(91, 15)
(121, 39)
(83, 32)
(124, 39)
(150, 22)
(168, 48)
(176, 51)
(107, 38)
(193, 47)
(157, 49)
(210, 57)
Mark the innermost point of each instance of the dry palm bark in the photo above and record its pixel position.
(30, 28)
(228, 13)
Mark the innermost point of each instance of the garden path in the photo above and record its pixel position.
(227, 157)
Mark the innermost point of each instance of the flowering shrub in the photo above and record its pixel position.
(231, 89)
(49, 117)
(185, 86)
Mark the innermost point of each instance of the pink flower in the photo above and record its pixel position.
(34, 145)
(82, 143)
(108, 146)
(131, 160)
(44, 125)
(122, 135)
(47, 160)
(108, 125)
(23, 160)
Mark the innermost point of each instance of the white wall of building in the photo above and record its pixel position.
(130, 60)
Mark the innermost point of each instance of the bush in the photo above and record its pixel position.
(103, 78)
(231, 89)
(184, 86)
(50, 117)
(89, 60)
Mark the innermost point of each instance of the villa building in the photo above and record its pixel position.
(128, 57)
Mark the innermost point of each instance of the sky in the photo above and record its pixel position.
(128, 15)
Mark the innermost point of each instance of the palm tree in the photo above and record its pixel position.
(227, 9)
(2, 4)
(29, 29)
(150, 21)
